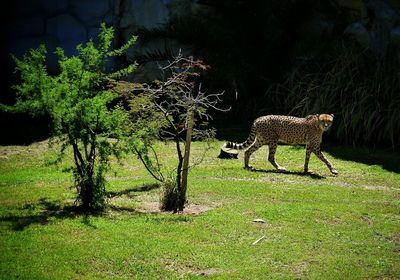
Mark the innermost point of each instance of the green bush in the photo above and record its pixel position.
(170, 196)
(78, 101)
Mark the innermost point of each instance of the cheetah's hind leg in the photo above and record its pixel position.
(254, 147)
(271, 157)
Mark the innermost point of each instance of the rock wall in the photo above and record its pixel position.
(63, 23)
(375, 24)
(66, 23)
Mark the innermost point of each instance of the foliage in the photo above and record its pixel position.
(170, 195)
(79, 102)
(168, 109)
(362, 92)
(344, 227)
(270, 67)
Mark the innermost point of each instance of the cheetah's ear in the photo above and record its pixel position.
(332, 115)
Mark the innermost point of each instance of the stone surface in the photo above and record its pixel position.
(127, 20)
(359, 33)
(198, 9)
(20, 46)
(93, 33)
(32, 26)
(383, 19)
(26, 8)
(372, 23)
(71, 22)
(395, 36)
(53, 6)
(68, 31)
(356, 8)
(179, 8)
(317, 28)
(87, 10)
(108, 18)
(378, 30)
(144, 14)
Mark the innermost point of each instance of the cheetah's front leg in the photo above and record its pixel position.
(271, 157)
(308, 154)
(317, 151)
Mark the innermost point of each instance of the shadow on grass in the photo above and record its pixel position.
(308, 174)
(45, 211)
(128, 192)
(49, 210)
(382, 156)
(124, 209)
(388, 160)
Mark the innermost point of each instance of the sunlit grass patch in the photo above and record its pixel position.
(316, 227)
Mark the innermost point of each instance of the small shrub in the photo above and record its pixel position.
(79, 102)
(173, 109)
(170, 196)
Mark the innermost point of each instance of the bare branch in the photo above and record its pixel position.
(156, 174)
(180, 99)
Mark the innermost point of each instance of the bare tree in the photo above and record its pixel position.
(176, 109)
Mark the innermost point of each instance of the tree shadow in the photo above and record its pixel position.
(297, 173)
(128, 192)
(45, 211)
(49, 210)
(130, 210)
(389, 161)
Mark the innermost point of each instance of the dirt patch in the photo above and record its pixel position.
(194, 209)
(182, 269)
(190, 209)
(299, 269)
(208, 272)
(375, 187)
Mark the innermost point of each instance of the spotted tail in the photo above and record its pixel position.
(245, 144)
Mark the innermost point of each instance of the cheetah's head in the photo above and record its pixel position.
(325, 121)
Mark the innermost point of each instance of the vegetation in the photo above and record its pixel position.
(232, 223)
(361, 91)
(172, 109)
(249, 47)
(269, 67)
(317, 227)
(78, 102)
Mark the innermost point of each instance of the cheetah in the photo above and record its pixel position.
(268, 130)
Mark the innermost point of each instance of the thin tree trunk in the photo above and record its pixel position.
(186, 161)
(178, 172)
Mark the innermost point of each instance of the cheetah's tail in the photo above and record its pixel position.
(245, 144)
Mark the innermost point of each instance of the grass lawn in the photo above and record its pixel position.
(317, 227)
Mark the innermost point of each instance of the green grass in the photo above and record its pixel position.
(317, 227)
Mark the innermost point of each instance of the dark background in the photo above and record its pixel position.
(17, 128)
(263, 54)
